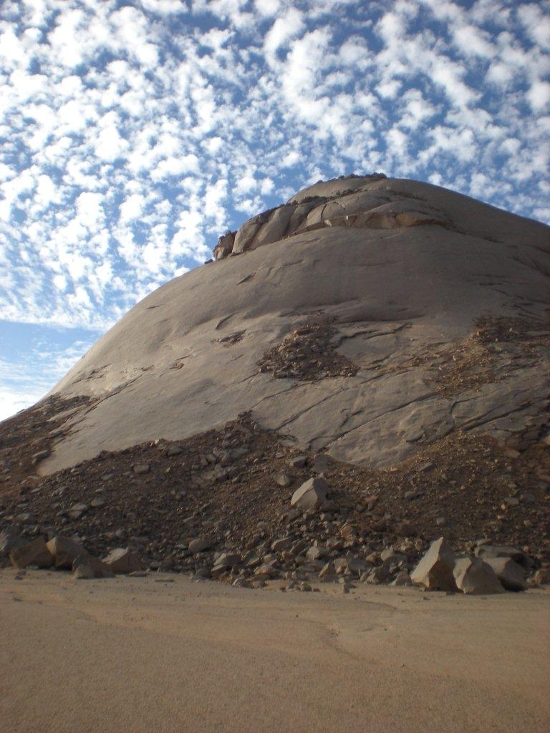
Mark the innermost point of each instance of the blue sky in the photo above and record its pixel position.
(133, 134)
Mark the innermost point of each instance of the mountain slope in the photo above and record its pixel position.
(428, 308)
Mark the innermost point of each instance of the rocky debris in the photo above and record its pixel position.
(122, 562)
(33, 553)
(435, 570)
(216, 495)
(27, 438)
(475, 577)
(509, 573)
(311, 494)
(308, 353)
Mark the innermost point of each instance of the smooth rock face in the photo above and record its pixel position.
(398, 269)
(475, 577)
(435, 570)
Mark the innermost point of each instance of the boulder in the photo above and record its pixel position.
(378, 575)
(316, 553)
(402, 578)
(89, 567)
(357, 566)
(198, 545)
(121, 561)
(225, 561)
(542, 576)
(311, 494)
(509, 573)
(435, 569)
(83, 572)
(475, 577)
(65, 551)
(9, 541)
(491, 551)
(33, 553)
(280, 545)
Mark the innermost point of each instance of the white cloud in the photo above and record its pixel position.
(133, 136)
(283, 30)
(89, 206)
(131, 208)
(539, 95)
(536, 23)
(473, 42)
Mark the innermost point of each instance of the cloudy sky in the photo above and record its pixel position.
(134, 132)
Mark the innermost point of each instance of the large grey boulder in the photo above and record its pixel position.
(509, 573)
(311, 494)
(435, 569)
(475, 577)
(487, 552)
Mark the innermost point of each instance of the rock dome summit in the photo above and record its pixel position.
(388, 335)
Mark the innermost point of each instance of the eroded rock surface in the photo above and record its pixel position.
(397, 327)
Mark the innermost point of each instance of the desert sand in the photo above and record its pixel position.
(165, 653)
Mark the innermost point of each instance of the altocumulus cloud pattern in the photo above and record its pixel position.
(134, 133)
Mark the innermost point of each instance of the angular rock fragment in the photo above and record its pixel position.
(198, 545)
(33, 553)
(121, 561)
(65, 551)
(311, 494)
(402, 578)
(509, 573)
(10, 540)
(281, 544)
(88, 567)
(475, 577)
(487, 552)
(542, 576)
(378, 575)
(83, 572)
(435, 569)
(225, 561)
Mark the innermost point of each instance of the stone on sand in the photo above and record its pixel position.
(475, 577)
(435, 569)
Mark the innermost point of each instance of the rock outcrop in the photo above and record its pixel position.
(388, 335)
(366, 341)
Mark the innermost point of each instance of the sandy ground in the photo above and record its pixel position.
(163, 653)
